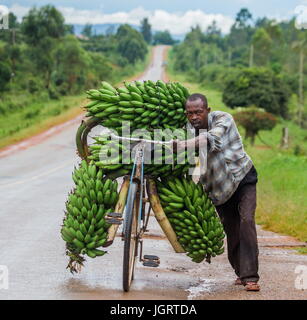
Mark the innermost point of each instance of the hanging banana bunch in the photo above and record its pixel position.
(84, 227)
(193, 217)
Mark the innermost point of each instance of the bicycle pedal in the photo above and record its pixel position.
(114, 215)
(114, 218)
(151, 261)
(151, 264)
(151, 257)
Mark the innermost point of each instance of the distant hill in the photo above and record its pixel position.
(101, 28)
(112, 28)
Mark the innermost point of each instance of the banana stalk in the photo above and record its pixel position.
(161, 217)
(81, 136)
(90, 124)
(79, 139)
(118, 208)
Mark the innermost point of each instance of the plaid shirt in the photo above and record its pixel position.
(226, 161)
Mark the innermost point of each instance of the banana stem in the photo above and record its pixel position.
(81, 136)
(79, 141)
(118, 208)
(90, 124)
(161, 217)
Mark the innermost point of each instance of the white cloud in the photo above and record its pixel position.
(19, 11)
(181, 23)
(3, 10)
(176, 23)
(301, 17)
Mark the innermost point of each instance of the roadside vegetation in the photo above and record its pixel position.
(245, 69)
(282, 198)
(45, 69)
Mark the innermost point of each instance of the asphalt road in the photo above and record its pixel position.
(35, 177)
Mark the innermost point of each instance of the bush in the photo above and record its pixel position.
(53, 93)
(253, 120)
(5, 75)
(34, 85)
(31, 114)
(257, 86)
(215, 75)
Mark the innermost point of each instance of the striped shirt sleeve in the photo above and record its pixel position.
(215, 135)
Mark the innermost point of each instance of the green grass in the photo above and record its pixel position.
(282, 187)
(34, 114)
(31, 120)
(301, 250)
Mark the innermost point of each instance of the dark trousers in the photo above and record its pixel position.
(238, 218)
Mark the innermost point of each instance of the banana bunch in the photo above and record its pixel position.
(108, 154)
(193, 217)
(84, 227)
(145, 104)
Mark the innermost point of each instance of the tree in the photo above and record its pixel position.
(241, 30)
(131, 44)
(87, 31)
(13, 23)
(42, 29)
(131, 49)
(195, 35)
(253, 120)
(163, 37)
(40, 23)
(261, 43)
(213, 35)
(69, 29)
(242, 18)
(146, 30)
(300, 46)
(213, 29)
(5, 75)
(71, 65)
(10, 34)
(13, 52)
(256, 86)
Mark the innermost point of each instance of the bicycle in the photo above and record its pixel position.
(136, 220)
(132, 204)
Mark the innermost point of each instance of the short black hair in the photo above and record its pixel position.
(196, 96)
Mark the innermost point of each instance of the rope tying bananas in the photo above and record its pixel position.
(114, 151)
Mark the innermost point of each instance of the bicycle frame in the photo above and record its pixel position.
(137, 176)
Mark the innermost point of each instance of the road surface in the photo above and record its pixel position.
(35, 177)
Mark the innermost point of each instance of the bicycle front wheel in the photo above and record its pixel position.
(130, 237)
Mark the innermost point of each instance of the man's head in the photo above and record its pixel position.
(197, 111)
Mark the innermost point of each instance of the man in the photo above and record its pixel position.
(230, 179)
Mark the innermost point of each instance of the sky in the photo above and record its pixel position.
(177, 16)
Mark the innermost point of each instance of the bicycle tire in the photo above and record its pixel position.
(130, 238)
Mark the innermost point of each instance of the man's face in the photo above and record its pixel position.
(197, 114)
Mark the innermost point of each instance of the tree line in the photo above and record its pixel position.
(258, 63)
(41, 56)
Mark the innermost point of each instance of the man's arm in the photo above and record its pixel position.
(197, 142)
(212, 138)
(222, 122)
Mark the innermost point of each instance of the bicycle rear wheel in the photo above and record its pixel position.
(130, 237)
